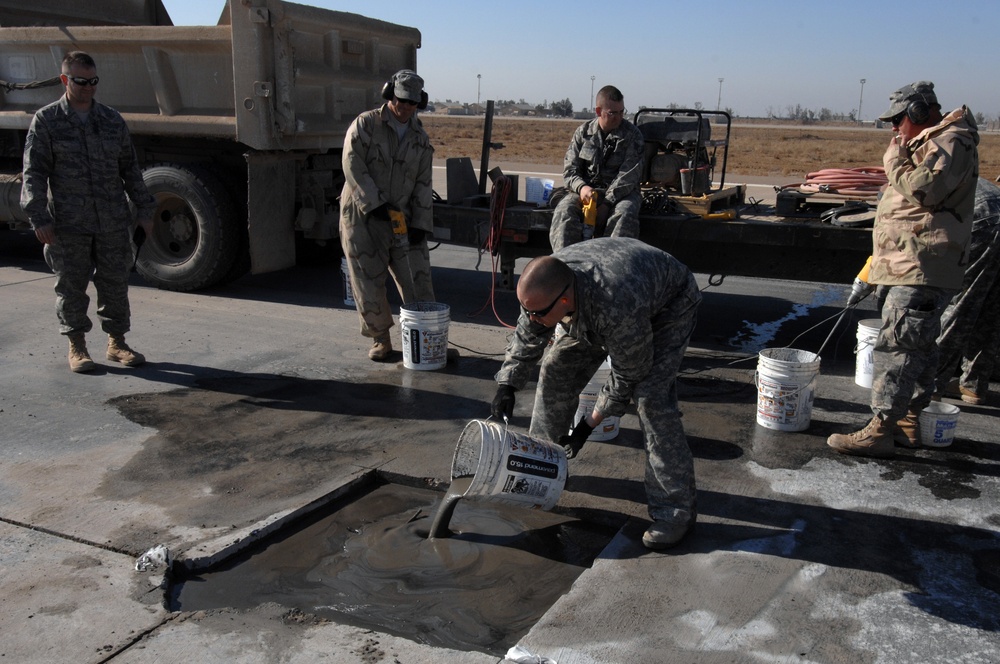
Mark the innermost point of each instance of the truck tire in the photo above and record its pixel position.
(196, 234)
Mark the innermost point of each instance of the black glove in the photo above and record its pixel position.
(416, 235)
(381, 212)
(573, 443)
(503, 402)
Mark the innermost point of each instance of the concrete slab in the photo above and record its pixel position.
(259, 401)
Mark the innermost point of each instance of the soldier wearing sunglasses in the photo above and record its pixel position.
(81, 151)
(622, 298)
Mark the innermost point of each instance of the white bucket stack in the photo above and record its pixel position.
(509, 467)
(425, 335)
(786, 384)
(346, 275)
(867, 334)
(937, 424)
(608, 428)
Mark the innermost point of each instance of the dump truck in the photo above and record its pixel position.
(239, 127)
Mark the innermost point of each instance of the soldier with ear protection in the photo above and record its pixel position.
(386, 207)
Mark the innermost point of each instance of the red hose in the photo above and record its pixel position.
(865, 181)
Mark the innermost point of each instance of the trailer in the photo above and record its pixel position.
(238, 127)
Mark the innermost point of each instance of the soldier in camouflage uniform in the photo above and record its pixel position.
(604, 159)
(622, 298)
(970, 325)
(920, 251)
(81, 151)
(387, 165)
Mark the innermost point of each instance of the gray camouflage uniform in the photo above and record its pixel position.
(638, 305)
(89, 167)
(970, 325)
(611, 163)
(379, 168)
(920, 252)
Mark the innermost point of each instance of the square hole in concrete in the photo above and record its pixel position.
(367, 561)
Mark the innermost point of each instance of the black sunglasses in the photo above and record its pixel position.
(897, 119)
(542, 313)
(79, 80)
(408, 102)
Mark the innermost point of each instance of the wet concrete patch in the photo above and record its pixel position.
(369, 563)
(255, 440)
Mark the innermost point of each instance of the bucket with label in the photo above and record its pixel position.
(509, 467)
(346, 275)
(937, 424)
(608, 428)
(425, 335)
(786, 384)
(867, 334)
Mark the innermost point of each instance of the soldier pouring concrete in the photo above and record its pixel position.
(622, 298)
(920, 246)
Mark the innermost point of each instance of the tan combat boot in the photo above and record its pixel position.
(118, 351)
(381, 349)
(907, 433)
(79, 358)
(875, 440)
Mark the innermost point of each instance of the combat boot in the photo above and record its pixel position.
(119, 351)
(907, 433)
(79, 358)
(875, 440)
(380, 350)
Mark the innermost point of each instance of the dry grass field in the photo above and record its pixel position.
(755, 150)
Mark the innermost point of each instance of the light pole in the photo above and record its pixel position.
(860, 100)
(479, 87)
(592, 92)
(718, 104)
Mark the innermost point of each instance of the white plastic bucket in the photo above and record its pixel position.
(425, 335)
(345, 273)
(937, 424)
(608, 428)
(786, 384)
(867, 334)
(509, 467)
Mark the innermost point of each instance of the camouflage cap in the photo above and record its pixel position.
(408, 85)
(900, 99)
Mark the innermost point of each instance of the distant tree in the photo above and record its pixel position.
(980, 118)
(698, 106)
(825, 114)
(562, 108)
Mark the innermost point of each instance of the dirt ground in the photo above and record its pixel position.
(757, 150)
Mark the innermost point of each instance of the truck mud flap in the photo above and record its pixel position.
(271, 210)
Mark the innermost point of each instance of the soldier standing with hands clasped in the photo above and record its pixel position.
(81, 151)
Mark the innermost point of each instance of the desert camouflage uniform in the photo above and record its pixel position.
(89, 168)
(970, 325)
(611, 163)
(381, 169)
(920, 252)
(638, 305)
